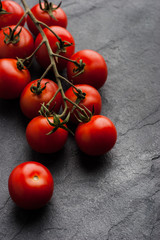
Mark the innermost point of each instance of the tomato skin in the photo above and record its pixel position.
(30, 185)
(12, 80)
(95, 71)
(42, 54)
(36, 134)
(31, 103)
(15, 13)
(92, 98)
(97, 136)
(21, 49)
(44, 17)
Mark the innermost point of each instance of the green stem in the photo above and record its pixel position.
(33, 53)
(77, 106)
(66, 80)
(44, 74)
(67, 59)
(52, 99)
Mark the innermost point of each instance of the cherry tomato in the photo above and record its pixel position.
(59, 18)
(97, 136)
(21, 49)
(38, 138)
(12, 80)
(94, 72)
(91, 99)
(31, 102)
(30, 185)
(42, 54)
(10, 14)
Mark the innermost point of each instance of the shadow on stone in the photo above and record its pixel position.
(94, 163)
(53, 161)
(29, 217)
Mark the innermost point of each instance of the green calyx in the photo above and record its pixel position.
(23, 64)
(62, 45)
(48, 7)
(3, 11)
(59, 124)
(20, 64)
(37, 89)
(82, 114)
(12, 37)
(79, 69)
(80, 96)
(85, 116)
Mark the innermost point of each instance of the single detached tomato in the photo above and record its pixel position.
(89, 98)
(10, 13)
(30, 185)
(31, 102)
(92, 69)
(49, 14)
(38, 138)
(13, 45)
(97, 136)
(65, 47)
(12, 79)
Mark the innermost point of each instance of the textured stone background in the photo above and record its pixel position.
(116, 197)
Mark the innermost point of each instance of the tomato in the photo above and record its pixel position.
(59, 17)
(12, 80)
(15, 12)
(22, 48)
(36, 134)
(97, 136)
(30, 185)
(91, 99)
(94, 72)
(42, 54)
(30, 102)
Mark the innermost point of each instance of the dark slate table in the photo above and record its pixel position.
(117, 196)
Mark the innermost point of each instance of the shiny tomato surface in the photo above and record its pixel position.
(42, 54)
(12, 80)
(31, 102)
(97, 136)
(30, 185)
(13, 15)
(22, 49)
(38, 138)
(95, 70)
(59, 19)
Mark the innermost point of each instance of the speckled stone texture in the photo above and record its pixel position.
(116, 196)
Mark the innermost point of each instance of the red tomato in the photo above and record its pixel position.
(95, 69)
(42, 53)
(30, 102)
(97, 136)
(30, 185)
(59, 19)
(92, 98)
(12, 80)
(15, 12)
(22, 49)
(37, 137)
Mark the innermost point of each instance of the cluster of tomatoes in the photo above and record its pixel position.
(42, 101)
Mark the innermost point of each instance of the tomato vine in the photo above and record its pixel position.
(84, 67)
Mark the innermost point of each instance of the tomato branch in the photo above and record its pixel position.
(52, 65)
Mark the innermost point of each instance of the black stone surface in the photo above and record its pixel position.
(116, 197)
